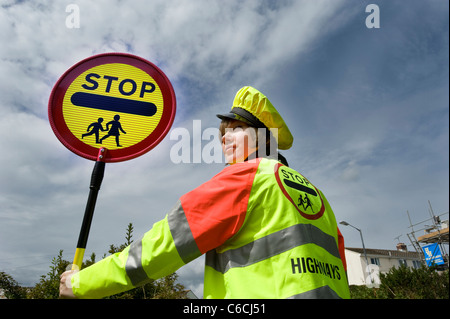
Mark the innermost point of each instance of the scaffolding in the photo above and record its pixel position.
(434, 230)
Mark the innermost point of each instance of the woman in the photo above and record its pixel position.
(259, 243)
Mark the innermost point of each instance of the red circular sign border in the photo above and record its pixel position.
(66, 137)
(305, 215)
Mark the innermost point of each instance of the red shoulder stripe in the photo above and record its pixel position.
(216, 210)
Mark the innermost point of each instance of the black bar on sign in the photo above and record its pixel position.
(114, 104)
(300, 187)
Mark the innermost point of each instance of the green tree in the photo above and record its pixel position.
(48, 286)
(167, 288)
(421, 283)
(128, 241)
(407, 283)
(11, 288)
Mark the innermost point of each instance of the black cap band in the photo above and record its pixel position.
(248, 116)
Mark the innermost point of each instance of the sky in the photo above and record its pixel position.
(368, 108)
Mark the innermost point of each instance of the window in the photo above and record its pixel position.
(375, 261)
(402, 262)
(416, 264)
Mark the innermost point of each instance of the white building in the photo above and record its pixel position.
(380, 261)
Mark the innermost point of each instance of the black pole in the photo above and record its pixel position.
(96, 181)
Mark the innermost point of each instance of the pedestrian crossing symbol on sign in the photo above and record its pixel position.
(130, 108)
(116, 101)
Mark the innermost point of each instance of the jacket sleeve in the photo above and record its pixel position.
(202, 219)
(152, 257)
(342, 249)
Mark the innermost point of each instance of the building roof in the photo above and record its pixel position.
(387, 253)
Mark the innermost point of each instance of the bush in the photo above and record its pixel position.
(407, 283)
(10, 287)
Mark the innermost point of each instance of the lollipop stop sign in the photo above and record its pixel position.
(110, 107)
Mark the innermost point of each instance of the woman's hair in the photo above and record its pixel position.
(261, 133)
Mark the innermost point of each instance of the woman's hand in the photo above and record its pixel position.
(65, 285)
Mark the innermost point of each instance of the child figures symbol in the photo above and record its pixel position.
(115, 130)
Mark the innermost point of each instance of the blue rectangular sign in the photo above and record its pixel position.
(433, 255)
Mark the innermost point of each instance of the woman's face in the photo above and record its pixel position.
(238, 142)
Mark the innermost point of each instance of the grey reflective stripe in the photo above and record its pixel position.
(133, 266)
(324, 292)
(272, 245)
(181, 232)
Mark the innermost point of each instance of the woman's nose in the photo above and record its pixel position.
(226, 138)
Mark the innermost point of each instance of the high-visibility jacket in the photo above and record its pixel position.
(266, 230)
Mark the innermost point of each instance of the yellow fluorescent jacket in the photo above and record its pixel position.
(266, 230)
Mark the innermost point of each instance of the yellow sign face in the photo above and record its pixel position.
(112, 105)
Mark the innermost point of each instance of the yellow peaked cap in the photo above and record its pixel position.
(256, 103)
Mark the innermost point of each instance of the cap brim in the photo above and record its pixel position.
(226, 116)
(233, 116)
